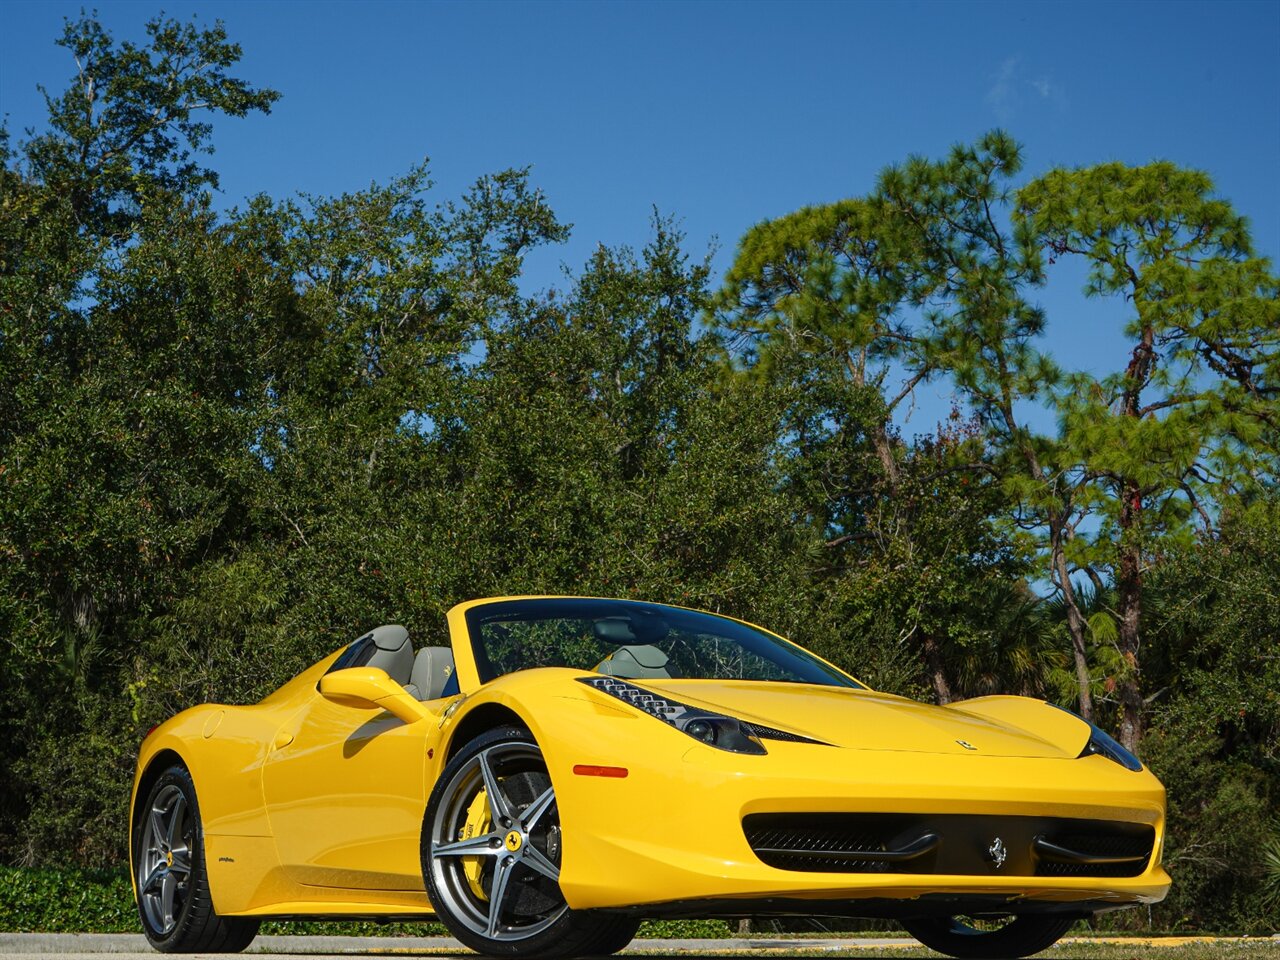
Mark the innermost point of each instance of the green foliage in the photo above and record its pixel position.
(1215, 738)
(1191, 401)
(67, 901)
(101, 901)
(926, 572)
(129, 121)
(1270, 895)
(681, 929)
(824, 306)
(934, 274)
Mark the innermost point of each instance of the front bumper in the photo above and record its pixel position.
(670, 836)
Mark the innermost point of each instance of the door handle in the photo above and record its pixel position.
(283, 739)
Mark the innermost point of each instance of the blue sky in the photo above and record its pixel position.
(721, 113)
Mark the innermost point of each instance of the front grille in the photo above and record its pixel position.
(1121, 844)
(960, 844)
(814, 842)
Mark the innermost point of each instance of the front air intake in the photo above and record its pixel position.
(957, 844)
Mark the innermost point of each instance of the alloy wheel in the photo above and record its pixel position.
(164, 861)
(495, 844)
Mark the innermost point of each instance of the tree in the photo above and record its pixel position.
(935, 272)
(971, 282)
(1168, 434)
(604, 454)
(1209, 614)
(132, 460)
(831, 285)
(824, 306)
(128, 123)
(88, 375)
(123, 402)
(1143, 449)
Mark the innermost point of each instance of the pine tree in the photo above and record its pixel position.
(1181, 420)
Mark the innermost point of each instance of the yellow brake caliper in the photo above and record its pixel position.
(476, 824)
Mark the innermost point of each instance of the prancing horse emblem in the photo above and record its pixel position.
(998, 853)
(966, 744)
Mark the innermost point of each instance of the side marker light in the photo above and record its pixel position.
(590, 770)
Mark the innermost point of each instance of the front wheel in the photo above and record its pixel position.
(170, 880)
(491, 844)
(1007, 938)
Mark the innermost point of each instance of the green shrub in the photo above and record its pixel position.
(101, 901)
(679, 929)
(66, 901)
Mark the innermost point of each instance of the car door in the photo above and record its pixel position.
(345, 791)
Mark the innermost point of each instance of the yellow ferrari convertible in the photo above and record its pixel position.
(569, 766)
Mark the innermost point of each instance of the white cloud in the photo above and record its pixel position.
(1003, 94)
(1010, 90)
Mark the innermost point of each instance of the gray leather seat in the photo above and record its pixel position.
(636, 662)
(432, 668)
(392, 652)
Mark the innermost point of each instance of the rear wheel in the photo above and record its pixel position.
(170, 880)
(491, 844)
(1002, 938)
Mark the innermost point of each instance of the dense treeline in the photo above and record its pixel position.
(229, 441)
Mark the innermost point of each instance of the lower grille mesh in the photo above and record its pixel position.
(1115, 844)
(957, 844)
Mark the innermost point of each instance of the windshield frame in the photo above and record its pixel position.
(467, 620)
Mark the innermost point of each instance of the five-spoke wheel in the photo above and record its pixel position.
(491, 856)
(169, 873)
(164, 862)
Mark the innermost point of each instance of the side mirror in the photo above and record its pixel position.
(368, 688)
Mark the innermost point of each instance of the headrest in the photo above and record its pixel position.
(392, 652)
(432, 668)
(392, 636)
(636, 662)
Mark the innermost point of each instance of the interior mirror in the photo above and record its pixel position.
(368, 688)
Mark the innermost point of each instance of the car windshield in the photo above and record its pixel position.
(635, 640)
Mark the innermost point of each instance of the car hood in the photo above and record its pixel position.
(867, 720)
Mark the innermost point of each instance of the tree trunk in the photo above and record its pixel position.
(1076, 626)
(937, 669)
(1129, 560)
(880, 435)
(1129, 598)
(884, 451)
(1078, 629)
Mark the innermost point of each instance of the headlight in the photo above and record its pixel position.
(705, 726)
(1104, 745)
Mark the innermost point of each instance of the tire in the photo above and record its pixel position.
(614, 940)
(171, 883)
(492, 870)
(960, 937)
